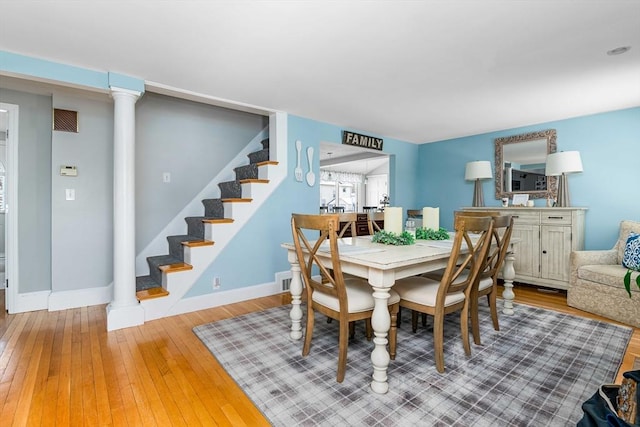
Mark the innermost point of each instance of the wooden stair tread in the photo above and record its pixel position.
(197, 243)
(267, 162)
(236, 200)
(172, 268)
(218, 220)
(151, 293)
(254, 180)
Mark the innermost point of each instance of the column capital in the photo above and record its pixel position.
(118, 91)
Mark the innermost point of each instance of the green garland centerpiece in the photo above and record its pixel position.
(431, 234)
(389, 238)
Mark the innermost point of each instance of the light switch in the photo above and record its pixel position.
(70, 193)
(166, 177)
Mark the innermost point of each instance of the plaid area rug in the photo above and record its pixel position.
(536, 371)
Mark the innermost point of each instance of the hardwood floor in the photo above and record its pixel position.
(63, 368)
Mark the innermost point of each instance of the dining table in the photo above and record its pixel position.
(381, 265)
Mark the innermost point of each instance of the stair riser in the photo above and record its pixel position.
(195, 227)
(230, 190)
(246, 172)
(267, 171)
(176, 248)
(213, 208)
(259, 156)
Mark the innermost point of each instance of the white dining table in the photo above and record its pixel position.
(382, 265)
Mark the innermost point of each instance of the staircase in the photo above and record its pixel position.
(217, 212)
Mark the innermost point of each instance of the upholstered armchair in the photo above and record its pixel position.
(596, 282)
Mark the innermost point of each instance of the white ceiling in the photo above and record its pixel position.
(419, 71)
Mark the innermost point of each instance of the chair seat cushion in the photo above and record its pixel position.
(359, 296)
(485, 283)
(421, 290)
(608, 275)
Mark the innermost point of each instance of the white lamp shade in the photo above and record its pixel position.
(478, 170)
(563, 162)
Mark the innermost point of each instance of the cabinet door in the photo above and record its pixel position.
(527, 252)
(555, 245)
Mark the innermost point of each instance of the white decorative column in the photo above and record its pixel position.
(124, 310)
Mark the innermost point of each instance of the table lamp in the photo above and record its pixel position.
(475, 171)
(560, 164)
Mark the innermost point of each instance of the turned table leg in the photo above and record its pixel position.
(508, 274)
(296, 299)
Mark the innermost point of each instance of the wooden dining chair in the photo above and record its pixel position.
(349, 220)
(373, 226)
(487, 281)
(453, 292)
(327, 290)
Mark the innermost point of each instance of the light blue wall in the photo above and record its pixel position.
(609, 144)
(255, 255)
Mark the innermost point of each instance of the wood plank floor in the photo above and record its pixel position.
(63, 368)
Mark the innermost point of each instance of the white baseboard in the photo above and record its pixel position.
(63, 300)
(216, 299)
(31, 301)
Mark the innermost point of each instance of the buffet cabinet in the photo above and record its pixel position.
(362, 222)
(546, 237)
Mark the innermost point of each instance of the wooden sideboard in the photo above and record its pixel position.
(547, 237)
(362, 225)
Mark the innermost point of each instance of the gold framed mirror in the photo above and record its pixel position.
(520, 165)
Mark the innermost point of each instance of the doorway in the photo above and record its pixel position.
(9, 203)
(352, 178)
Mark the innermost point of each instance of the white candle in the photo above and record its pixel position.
(393, 220)
(431, 218)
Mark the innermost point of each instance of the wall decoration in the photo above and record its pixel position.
(352, 138)
(298, 170)
(311, 177)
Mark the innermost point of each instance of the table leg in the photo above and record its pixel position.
(380, 322)
(508, 274)
(295, 288)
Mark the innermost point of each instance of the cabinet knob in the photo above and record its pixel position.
(544, 252)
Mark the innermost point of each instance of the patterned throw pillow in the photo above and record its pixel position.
(631, 258)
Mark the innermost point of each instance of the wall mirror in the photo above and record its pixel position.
(520, 165)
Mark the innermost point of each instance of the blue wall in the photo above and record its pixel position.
(609, 144)
(255, 255)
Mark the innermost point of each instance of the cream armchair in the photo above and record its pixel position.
(596, 282)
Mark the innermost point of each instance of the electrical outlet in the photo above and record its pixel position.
(216, 283)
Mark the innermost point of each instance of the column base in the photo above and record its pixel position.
(124, 317)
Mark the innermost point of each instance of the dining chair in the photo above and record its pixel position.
(486, 282)
(327, 290)
(349, 220)
(373, 225)
(453, 291)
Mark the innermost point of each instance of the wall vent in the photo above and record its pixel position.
(65, 120)
(283, 279)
